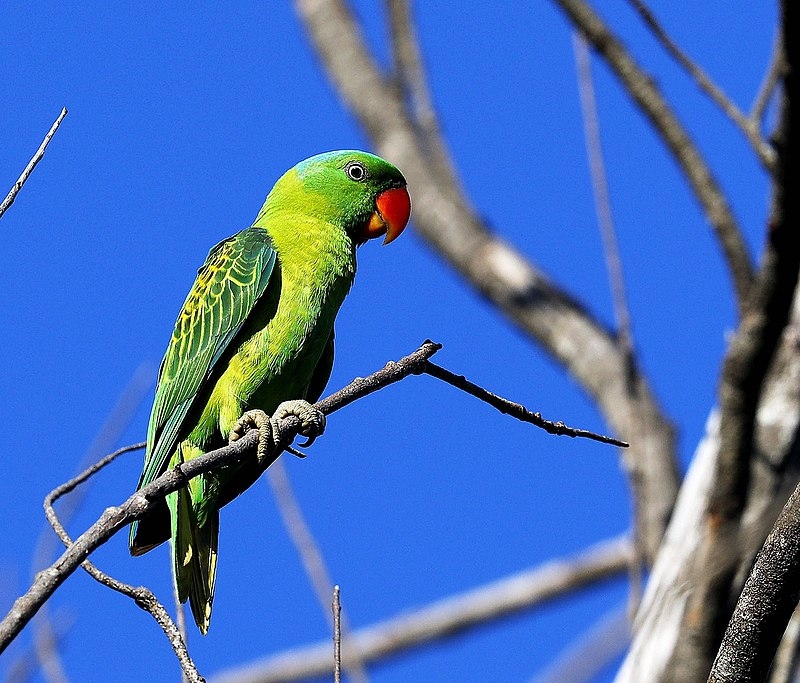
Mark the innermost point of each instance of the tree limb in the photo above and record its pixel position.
(766, 604)
(145, 500)
(446, 220)
(750, 126)
(646, 95)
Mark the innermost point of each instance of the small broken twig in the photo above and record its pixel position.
(515, 409)
(12, 195)
(337, 636)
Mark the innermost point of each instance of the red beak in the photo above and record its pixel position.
(392, 209)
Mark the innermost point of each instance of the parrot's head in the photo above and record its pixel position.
(358, 191)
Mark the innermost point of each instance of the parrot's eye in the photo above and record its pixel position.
(356, 171)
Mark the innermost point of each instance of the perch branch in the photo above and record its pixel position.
(143, 501)
(12, 195)
(516, 410)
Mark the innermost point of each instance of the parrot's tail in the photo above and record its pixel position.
(194, 555)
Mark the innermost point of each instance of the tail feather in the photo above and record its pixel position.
(194, 555)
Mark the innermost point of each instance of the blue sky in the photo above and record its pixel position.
(179, 123)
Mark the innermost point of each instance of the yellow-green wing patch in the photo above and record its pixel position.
(233, 278)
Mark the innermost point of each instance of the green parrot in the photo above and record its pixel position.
(256, 333)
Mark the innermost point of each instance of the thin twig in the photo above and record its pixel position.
(748, 126)
(107, 437)
(310, 554)
(12, 195)
(143, 597)
(602, 202)
(645, 93)
(145, 500)
(446, 618)
(337, 636)
(771, 80)
(516, 410)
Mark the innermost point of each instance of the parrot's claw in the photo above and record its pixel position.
(256, 419)
(312, 421)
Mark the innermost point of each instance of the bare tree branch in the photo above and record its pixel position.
(595, 650)
(107, 437)
(771, 80)
(448, 617)
(143, 597)
(37, 157)
(744, 371)
(766, 604)
(311, 556)
(646, 95)
(446, 220)
(602, 201)
(145, 500)
(515, 409)
(748, 125)
(337, 636)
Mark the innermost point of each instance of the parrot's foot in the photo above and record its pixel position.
(312, 421)
(256, 419)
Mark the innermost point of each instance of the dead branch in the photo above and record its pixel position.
(750, 126)
(337, 636)
(143, 597)
(145, 500)
(446, 618)
(37, 157)
(311, 557)
(766, 604)
(744, 372)
(515, 409)
(445, 219)
(644, 92)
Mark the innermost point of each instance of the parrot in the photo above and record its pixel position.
(255, 337)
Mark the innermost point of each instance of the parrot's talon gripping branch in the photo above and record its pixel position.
(312, 420)
(256, 419)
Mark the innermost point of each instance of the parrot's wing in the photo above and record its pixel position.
(231, 281)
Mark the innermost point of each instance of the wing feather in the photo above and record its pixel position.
(233, 278)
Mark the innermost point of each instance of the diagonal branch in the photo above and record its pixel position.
(766, 604)
(147, 498)
(644, 92)
(445, 219)
(37, 157)
(143, 597)
(316, 568)
(748, 125)
(448, 617)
